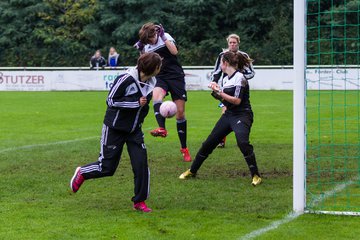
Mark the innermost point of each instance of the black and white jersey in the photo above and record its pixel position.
(217, 74)
(237, 86)
(124, 112)
(171, 68)
(97, 62)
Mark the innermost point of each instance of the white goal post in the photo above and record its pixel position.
(326, 170)
(299, 106)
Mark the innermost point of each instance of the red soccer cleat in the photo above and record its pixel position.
(159, 132)
(141, 206)
(77, 180)
(186, 154)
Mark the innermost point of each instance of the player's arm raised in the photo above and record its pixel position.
(172, 47)
(168, 43)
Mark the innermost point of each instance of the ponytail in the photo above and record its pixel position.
(236, 60)
(243, 60)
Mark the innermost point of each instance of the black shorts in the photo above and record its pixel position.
(176, 87)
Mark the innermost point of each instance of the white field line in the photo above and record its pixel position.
(44, 144)
(273, 225)
(291, 216)
(327, 194)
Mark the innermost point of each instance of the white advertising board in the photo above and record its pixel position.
(333, 78)
(196, 79)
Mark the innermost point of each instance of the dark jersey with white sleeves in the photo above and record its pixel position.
(171, 68)
(237, 86)
(124, 112)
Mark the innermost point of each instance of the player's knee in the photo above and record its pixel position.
(207, 148)
(180, 116)
(158, 94)
(203, 153)
(108, 170)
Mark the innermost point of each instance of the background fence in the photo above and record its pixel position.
(197, 78)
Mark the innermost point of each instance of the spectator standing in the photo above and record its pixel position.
(113, 58)
(97, 61)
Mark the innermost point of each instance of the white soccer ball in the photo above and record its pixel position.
(168, 109)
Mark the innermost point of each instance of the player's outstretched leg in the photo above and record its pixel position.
(221, 129)
(206, 148)
(77, 180)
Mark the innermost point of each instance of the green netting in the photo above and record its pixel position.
(333, 106)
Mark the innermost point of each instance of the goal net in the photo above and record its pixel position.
(333, 107)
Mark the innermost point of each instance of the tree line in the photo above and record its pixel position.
(67, 33)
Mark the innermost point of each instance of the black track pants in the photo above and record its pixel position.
(112, 143)
(240, 124)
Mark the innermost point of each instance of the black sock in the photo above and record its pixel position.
(251, 162)
(181, 128)
(160, 119)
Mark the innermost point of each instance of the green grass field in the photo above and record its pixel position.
(45, 135)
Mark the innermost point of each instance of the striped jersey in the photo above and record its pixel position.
(237, 86)
(171, 67)
(124, 112)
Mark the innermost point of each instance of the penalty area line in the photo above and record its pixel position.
(45, 144)
(292, 216)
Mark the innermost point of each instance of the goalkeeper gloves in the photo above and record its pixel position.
(161, 32)
(139, 46)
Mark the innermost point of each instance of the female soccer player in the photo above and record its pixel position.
(238, 116)
(170, 79)
(128, 105)
(233, 41)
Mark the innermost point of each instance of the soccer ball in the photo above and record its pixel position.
(168, 109)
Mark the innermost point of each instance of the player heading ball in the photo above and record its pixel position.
(127, 106)
(171, 79)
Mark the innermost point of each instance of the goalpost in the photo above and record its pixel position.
(326, 131)
(299, 107)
